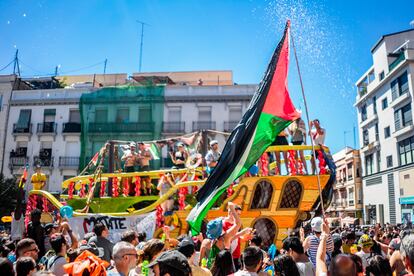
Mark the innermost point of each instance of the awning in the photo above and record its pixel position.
(407, 200)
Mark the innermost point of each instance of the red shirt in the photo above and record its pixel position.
(237, 252)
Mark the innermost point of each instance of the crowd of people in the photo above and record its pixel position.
(224, 247)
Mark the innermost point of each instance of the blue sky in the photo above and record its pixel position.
(333, 40)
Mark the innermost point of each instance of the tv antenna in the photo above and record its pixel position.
(142, 42)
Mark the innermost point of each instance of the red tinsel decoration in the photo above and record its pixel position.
(103, 188)
(292, 162)
(30, 206)
(115, 192)
(181, 197)
(264, 164)
(137, 185)
(230, 190)
(71, 188)
(322, 163)
(159, 216)
(300, 166)
(82, 192)
(194, 190)
(90, 183)
(125, 186)
(44, 205)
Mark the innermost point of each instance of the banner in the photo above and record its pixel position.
(116, 225)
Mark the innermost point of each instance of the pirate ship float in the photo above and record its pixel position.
(272, 204)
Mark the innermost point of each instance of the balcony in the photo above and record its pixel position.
(46, 129)
(68, 162)
(121, 127)
(22, 130)
(399, 101)
(400, 58)
(44, 161)
(404, 130)
(173, 127)
(198, 125)
(17, 162)
(369, 120)
(370, 147)
(71, 128)
(230, 125)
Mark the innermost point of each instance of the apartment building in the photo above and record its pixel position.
(347, 202)
(46, 118)
(386, 131)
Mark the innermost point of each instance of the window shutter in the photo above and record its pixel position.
(394, 89)
(397, 120)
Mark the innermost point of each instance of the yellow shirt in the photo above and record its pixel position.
(38, 179)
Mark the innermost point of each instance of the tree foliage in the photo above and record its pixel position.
(8, 194)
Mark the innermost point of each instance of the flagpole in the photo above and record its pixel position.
(307, 117)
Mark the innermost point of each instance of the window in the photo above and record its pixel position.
(49, 115)
(358, 173)
(174, 114)
(387, 132)
(101, 115)
(403, 117)
(74, 116)
(350, 173)
(144, 114)
(384, 103)
(360, 195)
(365, 137)
(24, 118)
(399, 86)
(363, 113)
(262, 195)
(291, 195)
(122, 115)
(381, 76)
(378, 156)
(1, 102)
(406, 151)
(389, 161)
(368, 164)
(371, 76)
(374, 103)
(235, 113)
(351, 196)
(376, 132)
(204, 114)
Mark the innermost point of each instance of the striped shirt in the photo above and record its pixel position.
(313, 248)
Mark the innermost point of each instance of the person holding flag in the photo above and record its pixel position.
(270, 111)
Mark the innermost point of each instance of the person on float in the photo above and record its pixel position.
(180, 157)
(144, 156)
(318, 135)
(38, 179)
(212, 156)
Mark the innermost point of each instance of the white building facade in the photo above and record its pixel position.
(44, 125)
(44, 128)
(386, 131)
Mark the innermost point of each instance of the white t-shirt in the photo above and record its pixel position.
(318, 139)
(305, 269)
(57, 265)
(364, 256)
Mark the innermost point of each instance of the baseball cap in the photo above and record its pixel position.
(50, 226)
(214, 228)
(180, 144)
(213, 142)
(395, 244)
(186, 247)
(172, 260)
(316, 224)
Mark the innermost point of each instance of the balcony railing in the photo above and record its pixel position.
(397, 61)
(43, 161)
(204, 125)
(174, 127)
(68, 162)
(46, 128)
(18, 161)
(230, 125)
(71, 128)
(22, 129)
(121, 127)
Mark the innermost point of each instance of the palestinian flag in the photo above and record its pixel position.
(270, 111)
(152, 147)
